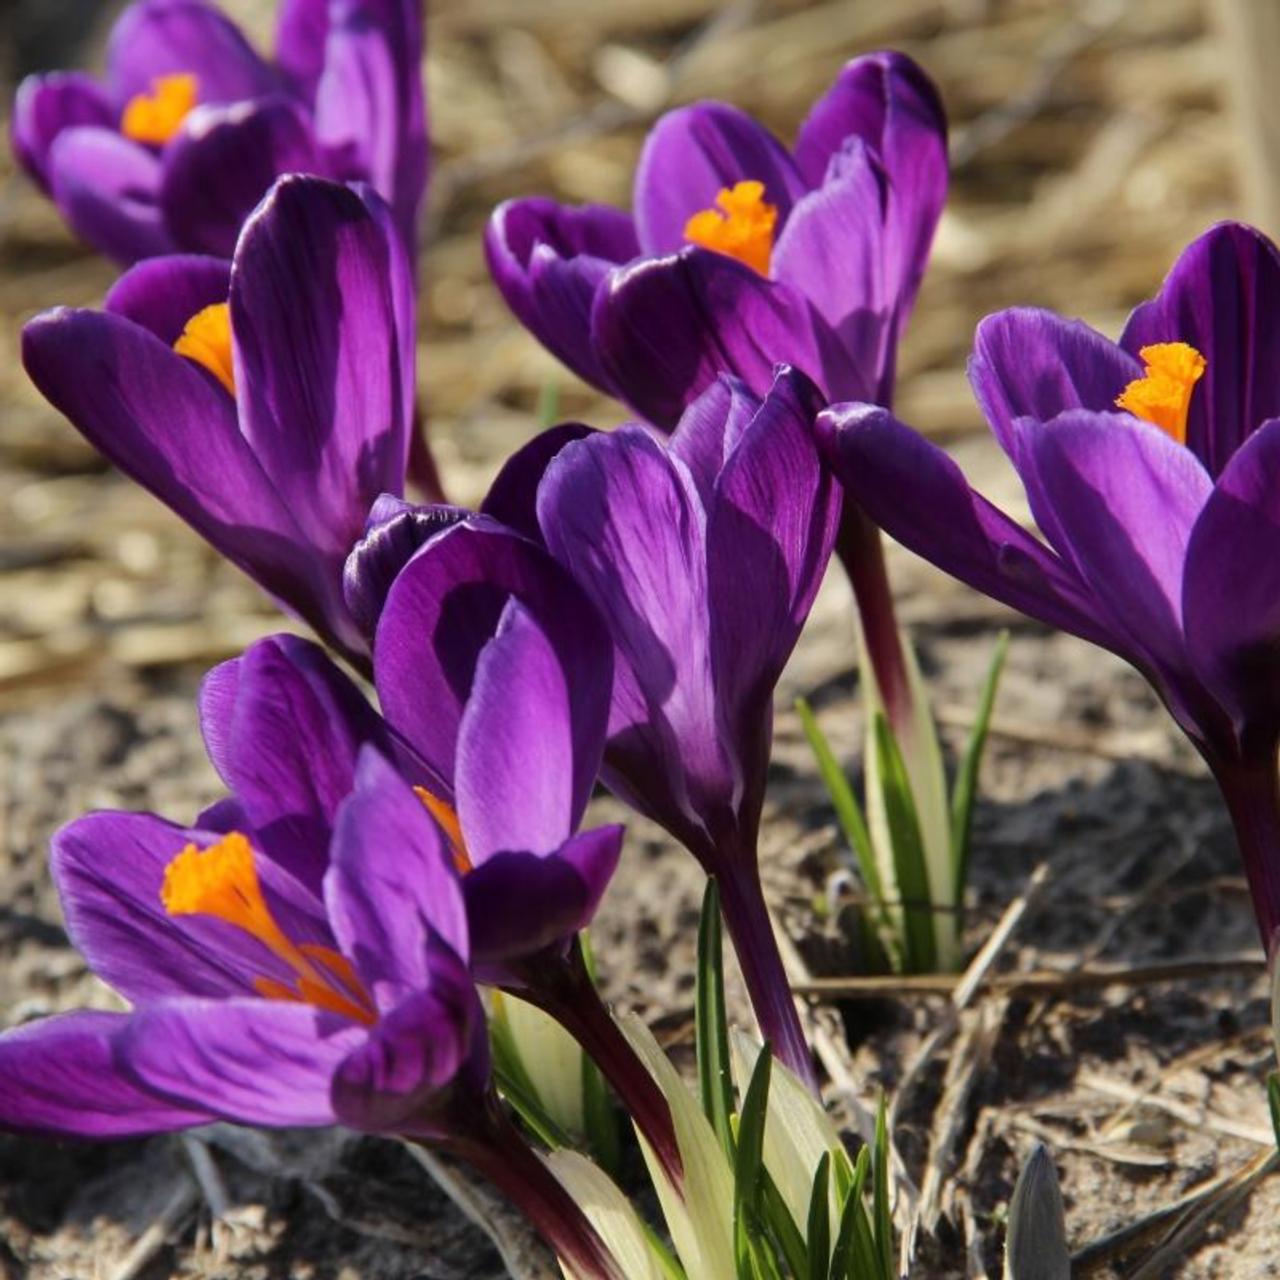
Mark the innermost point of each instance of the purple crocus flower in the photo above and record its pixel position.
(1150, 466)
(267, 401)
(703, 556)
(741, 253)
(190, 127)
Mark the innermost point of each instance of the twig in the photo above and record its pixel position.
(175, 1212)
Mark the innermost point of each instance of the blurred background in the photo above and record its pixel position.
(1090, 141)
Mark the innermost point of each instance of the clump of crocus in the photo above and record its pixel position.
(279, 981)
(172, 150)
(1150, 466)
(268, 401)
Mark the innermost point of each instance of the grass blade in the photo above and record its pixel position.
(908, 852)
(853, 1222)
(881, 1174)
(818, 1233)
(711, 1023)
(962, 796)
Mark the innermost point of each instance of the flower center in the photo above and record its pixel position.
(153, 118)
(222, 881)
(1163, 394)
(741, 225)
(447, 816)
(206, 339)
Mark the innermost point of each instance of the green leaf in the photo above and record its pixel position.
(818, 1232)
(748, 1163)
(711, 1023)
(908, 852)
(1036, 1244)
(549, 404)
(599, 1116)
(881, 1174)
(854, 1227)
(1273, 1097)
(848, 811)
(966, 784)
(782, 1228)
(514, 1084)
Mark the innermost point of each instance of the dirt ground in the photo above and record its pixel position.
(1090, 142)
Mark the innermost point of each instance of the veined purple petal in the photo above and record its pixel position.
(666, 328)
(221, 163)
(162, 294)
(888, 102)
(430, 1046)
(1125, 496)
(316, 326)
(709, 431)
(62, 1079)
(370, 114)
(302, 26)
(625, 520)
(394, 532)
(445, 607)
(163, 37)
(548, 260)
(528, 751)
(109, 869)
(107, 188)
(1219, 298)
(770, 532)
(44, 106)
(834, 251)
(284, 727)
(392, 884)
(1231, 586)
(1030, 363)
(512, 497)
(260, 1062)
(519, 903)
(693, 152)
(918, 495)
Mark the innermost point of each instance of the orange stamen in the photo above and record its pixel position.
(206, 339)
(222, 881)
(741, 225)
(153, 118)
(1163, 394)
(447, 816)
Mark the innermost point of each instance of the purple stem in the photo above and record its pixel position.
(488, 1142)
(563, 989)
(861, 551)
(1251, 788)
(747, 917)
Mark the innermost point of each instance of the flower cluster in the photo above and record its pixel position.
(336, 940)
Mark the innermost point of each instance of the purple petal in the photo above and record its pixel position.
(302, 26)
(833, 251)
(109, 869)
(626, 522)
(1029, 363)
(316, 323)
(223, 161)
(1231, 588)
(394, 532)
(1125, 496)
(709, 431)
(1220, 298)
(284, 727)
(528, 753)
(44, 106)
(162, 294)
(519, 903)
(665, 328)
(694, 152)
(770, 531)
(428, 1048)
(445, 607)
(918, 495)
(888, 102)
(513, 495)
(61, 1079)
(162, 37)
(108, 190)
(548, 260)
(370, 115)
(392, 885)
(258, 1062)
